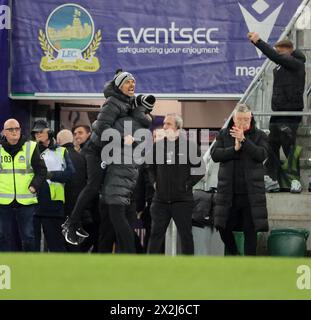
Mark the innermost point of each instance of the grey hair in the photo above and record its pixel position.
(178, 119)
(242, 107)
(64, 136)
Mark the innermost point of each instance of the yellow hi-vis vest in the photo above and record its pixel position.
(16, 175)
(55, 161)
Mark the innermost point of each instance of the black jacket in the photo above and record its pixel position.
(37, 163)
(202, 213)
(252, 154)
(120, 179)
(74, 186)
(119, 184)
(144, 190)
(289, 78)
(116, 106)
(173, 177)
(139, 118)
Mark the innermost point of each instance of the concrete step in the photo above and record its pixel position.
(306, 152)
(303, 141)
(305, 163)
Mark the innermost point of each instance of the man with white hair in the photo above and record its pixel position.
(241, 149)
(173, 180)
(22, 172)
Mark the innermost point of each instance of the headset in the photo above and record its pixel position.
(51, 134)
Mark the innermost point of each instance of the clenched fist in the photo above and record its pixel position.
(253, 37)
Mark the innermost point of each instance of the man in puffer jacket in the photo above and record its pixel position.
(121, 178)
(240, 203)
(120, 102)
(120, 95)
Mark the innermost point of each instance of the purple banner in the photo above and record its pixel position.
(172, 47)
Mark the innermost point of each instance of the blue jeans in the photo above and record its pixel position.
(24, 217)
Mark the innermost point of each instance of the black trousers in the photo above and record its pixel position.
(91, 189)
(283, 132)
(161, 215)
(240, 217)
(146, 218)
(52, 232)
(107, 236)
(121, 221)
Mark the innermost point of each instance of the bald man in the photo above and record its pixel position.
(22, 173)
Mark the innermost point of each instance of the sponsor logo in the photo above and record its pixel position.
(263, 26)
(173, 34)
(70, 41)
(243, 71)
(261, 18)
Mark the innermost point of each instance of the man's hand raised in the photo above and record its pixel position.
(253, 37)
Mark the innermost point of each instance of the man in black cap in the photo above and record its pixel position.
(50, 213)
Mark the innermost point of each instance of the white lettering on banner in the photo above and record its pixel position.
(69, 54)
(166, 51)
(5, 277)
(243, 71)
(162, 35)
(5, 17)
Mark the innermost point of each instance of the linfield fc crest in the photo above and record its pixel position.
(70, 41)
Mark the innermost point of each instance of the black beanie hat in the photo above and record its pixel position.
(146, 101)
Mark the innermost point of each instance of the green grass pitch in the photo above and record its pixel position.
(118, 277)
